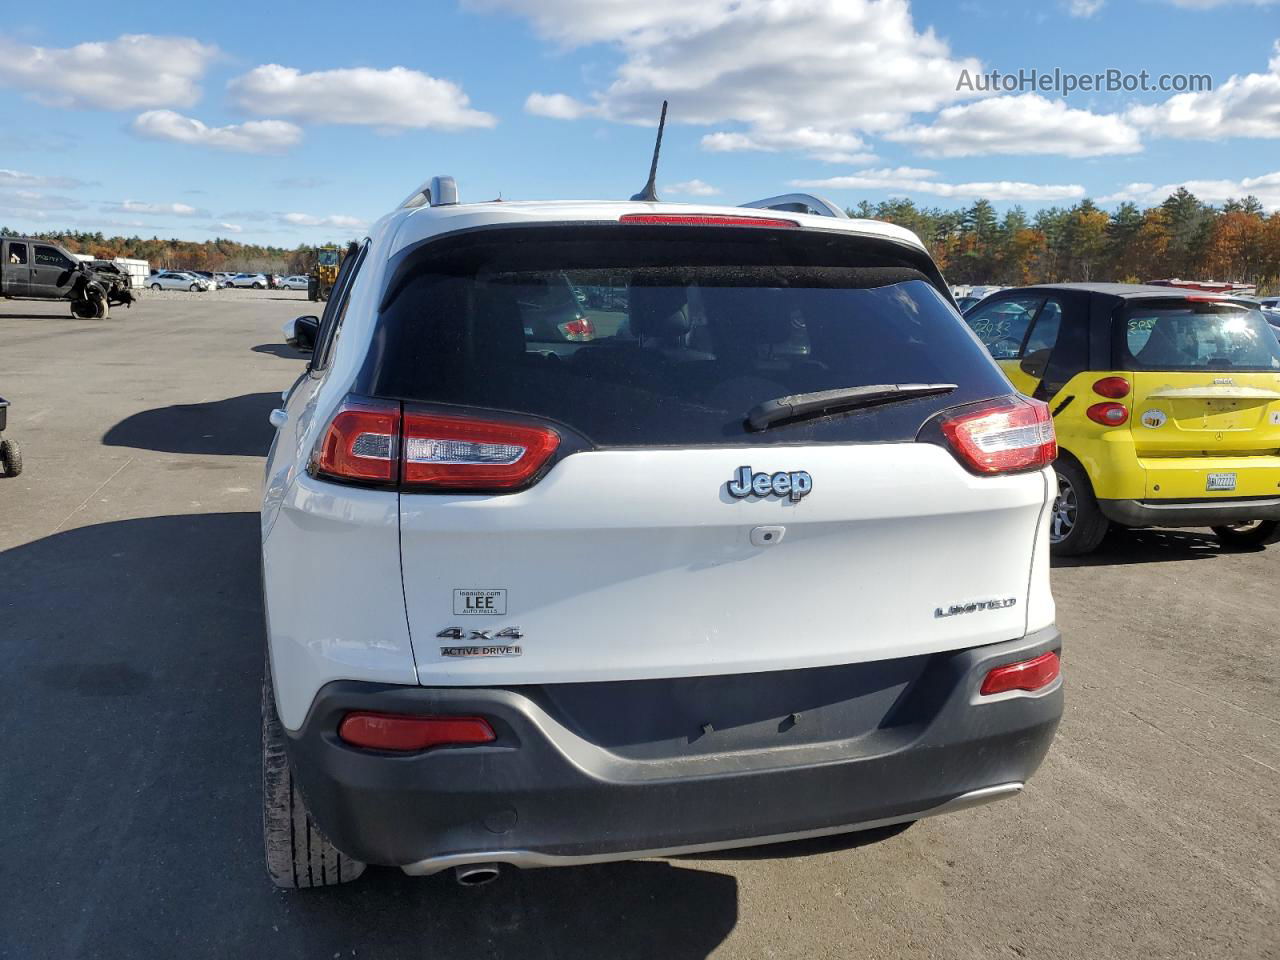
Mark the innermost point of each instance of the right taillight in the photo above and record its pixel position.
(1108, 414)
(473, 454)
(1113, 388)
(1029, 675)
(1006, 436)
(578, 329)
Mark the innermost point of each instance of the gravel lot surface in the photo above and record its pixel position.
(131, 641)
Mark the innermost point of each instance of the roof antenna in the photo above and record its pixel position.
(650, 191)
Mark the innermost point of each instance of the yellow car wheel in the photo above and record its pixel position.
(1259, 533)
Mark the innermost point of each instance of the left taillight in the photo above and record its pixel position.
(406, 732)
(361, 443)
(378, 442)
(473, 454)
(1008, 435)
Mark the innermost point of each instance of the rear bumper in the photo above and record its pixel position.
(544, 795)
(1189, 513)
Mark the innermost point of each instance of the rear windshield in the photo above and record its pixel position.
(1197, 335)
(633, 336)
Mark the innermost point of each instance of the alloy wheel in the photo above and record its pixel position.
(1065, 504)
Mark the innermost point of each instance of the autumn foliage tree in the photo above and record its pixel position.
(1180, 237)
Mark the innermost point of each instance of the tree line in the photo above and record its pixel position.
(1181, 237)
(174, 254)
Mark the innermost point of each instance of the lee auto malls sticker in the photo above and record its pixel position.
(480, 602)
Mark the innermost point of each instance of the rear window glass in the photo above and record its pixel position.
(1197, 335)
(640, 338)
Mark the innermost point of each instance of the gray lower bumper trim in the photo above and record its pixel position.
(526, 859)
(1197, 513)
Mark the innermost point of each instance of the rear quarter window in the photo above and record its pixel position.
(636, 336)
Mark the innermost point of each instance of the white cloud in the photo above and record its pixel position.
(1020, 125)
(226, 227)
(908, 180)
(254, 136)
(165, 209)
(1244, 106)
(16, 178)
(796, 74)
(558, 106)
(1084, 8)
(132, 71)
(331, 220)
(831, 146)
(394, 99)
(1208, 4)
(34, 200)
(1266, 188)
(691, 188)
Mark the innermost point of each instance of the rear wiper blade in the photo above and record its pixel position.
(802, 406)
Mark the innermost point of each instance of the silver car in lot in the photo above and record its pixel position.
(179, 280)
(293, 283)
(258, 281)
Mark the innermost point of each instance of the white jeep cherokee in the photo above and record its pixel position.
(597, 531)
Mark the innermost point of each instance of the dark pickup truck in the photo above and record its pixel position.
(33, 269)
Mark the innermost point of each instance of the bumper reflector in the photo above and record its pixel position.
(403, 732)
(1027, 675)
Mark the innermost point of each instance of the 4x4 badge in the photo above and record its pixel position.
(795, 484)
(457, 633)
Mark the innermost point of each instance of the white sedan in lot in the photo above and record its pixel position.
(257, 281)
(178, 280)
(293, 283)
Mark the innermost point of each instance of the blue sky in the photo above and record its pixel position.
(298, 122)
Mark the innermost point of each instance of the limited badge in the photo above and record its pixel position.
(480, 602)
(1154, 418)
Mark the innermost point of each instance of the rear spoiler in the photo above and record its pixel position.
(799, 203)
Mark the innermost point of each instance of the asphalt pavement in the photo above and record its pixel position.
(131, 645)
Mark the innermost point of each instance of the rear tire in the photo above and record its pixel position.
(259, 286)
(1259, 533)
(155, 286)
(10, 457)
(1076, 526)
(299, 856)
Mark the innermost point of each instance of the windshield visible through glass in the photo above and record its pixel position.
(1198, 335)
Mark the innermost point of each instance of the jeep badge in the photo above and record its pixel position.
(795, 484)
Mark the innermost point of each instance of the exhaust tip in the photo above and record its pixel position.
(476, 874)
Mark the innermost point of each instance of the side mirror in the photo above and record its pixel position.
(301, 333)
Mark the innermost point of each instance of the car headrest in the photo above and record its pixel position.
(752, 314)
(661, 312)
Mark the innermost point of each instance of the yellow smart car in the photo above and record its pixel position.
(1166, 405)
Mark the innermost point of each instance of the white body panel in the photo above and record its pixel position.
(635, 564)
(331, 575)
